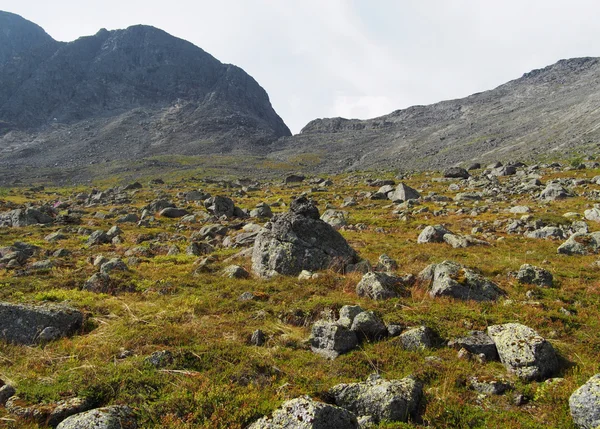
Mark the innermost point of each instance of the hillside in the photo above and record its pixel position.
(122, 95)
(546, 113)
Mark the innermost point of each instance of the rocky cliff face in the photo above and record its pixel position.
(548, 112)
(119, 94)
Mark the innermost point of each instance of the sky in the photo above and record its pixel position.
(351, 58)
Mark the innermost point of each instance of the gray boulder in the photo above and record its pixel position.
(554, 191)
(305, 413)
(347, 315)
(389, 400)
(379, 286)
(386, 264)
(488, 387)
(433, 234)
(418, 338)
(335, 218)
(404, 193)
(476, 342)
(368, 326)
(581, 244)
(592, 214)
(115, 417)
(261, 210)
(454, 280)
(173, 212)
(24, 217)
(456, 173)
(220, 206)
(114, 264)
(98, 237)
(298, 240)
(6, 392)
(523, 351)
(534, 275)
(30, 325)
(235, 272)
(585, 404)
(331, 340)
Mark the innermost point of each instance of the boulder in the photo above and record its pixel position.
(24, 217)
(386, 264)
(433, 234)
(368, 326)
(98, 237)
(486, 386)
(220, 206)
(404, 193)
(476, 342)
(173, 212)
(305, 413)
(347, 315)
(581, 243)
(523, 351)
(335, 218)
(298, 240)
(30, 325)
(454, 280)
(331, 340)
(592, 214)
(114, 264)
(456, 173)
(534, 275)
(383, 400)
(585, 404)
(418, 338)
(554, 191)
(235, 272)
(115, 417)
(262, 210)
(380, 286)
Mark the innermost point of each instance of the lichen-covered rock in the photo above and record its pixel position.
(305, 413)
(488, 386)
(347, 315)
(22, 324)
(98, 237)
(433, 234)
(391, 400)
(456, 173)
(585, 404)
(534, 275)
(299, 240)
(581, 244)
(114, 264)
(24, 217)
(220, 206)
(380, 285)
(554, 191)
(235, 272)
(115, 417)
(418, 338)
(523, 351)
(451, 279)
(335, 218)
(404, 193)
(367, 325)
(386, 264)
(476, 342)
(331, 340)
(173, 212)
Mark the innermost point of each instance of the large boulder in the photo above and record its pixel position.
(330, 339)
(115, 417)
(554, 191)
(305, 413)
(530, 274)
(456, 173)
(298, 240)
(390, 400)
(379, 286)
(433, 234)
(581, 244)
(404, 193)
(454, 280)
(523, 351)
(585, 404)
(30, 325)
(476, 342)
(220, 206)
(24, 217)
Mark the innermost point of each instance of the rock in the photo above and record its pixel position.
(190, 196)
(220, 206)
(46, 264)
(114, 264)
(55, 236)
(523, 351)
(433, 234)
(488, 387)
(22, 324)
(99, 283)
(347, 315)
(383, 400)
(477, 342)
(554, 191)
(24, 217)
(520, 210)
(534, 275)
(581, 244)
(474, 166)
(6, 392)
(128, 218)
(418, 338)
(160, 359)
(235, 272)
(258, 338)
(585, 404)
(199, 248)
(66, 408)
(462, 241)
(113, 232)
(379, 286)
(299, 240)
(158, 205)
(305, 413)
(368, 326)
(386, 264)
(456, 173)
(546, 232)
(335, 218)
(98, 237)
(452, 279)
(114, 417)
(404, 193)
(307, 275)
(262, 210)
(331, 340)
(173, 212)
(294, 178)
(592, 214)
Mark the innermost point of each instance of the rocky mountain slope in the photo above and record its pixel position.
(122, 94)
(546, 113)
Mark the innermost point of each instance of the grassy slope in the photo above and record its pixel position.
(219, 381)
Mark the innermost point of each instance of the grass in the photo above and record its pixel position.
(218, 380)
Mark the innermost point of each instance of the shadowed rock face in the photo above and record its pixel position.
(122, 94)
(551, 109)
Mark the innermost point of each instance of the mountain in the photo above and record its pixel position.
(122, 94)
(551, 112)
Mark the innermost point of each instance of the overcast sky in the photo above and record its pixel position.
(351, 58)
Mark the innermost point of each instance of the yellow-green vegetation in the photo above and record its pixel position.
(218, 380)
